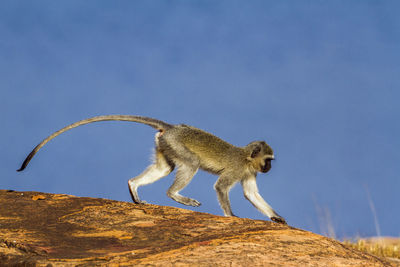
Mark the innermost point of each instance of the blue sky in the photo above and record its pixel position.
(317, 80)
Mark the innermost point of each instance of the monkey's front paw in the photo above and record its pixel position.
(278, 220)
(142, 202)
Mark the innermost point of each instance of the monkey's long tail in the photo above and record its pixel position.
(157, 124)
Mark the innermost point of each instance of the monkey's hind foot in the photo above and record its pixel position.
(135, 198)
(185, 200)
(278, 220)
(138, 201)
(192, 202)
(144, 202)
(189, 202)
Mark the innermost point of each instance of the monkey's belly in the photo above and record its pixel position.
(212, 168)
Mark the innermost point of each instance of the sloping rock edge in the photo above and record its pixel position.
(42, 229)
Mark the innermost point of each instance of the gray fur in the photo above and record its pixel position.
(189, 149)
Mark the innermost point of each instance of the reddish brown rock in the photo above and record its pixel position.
(64, 230)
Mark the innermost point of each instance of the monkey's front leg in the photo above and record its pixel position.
(251, 193)
(223, 186)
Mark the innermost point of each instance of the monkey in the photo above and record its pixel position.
(189, 149)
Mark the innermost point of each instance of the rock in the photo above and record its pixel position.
(64, 230)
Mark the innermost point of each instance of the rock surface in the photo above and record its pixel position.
(61, 230)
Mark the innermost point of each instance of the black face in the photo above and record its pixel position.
(267, 166)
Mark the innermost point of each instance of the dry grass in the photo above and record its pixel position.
(383, 247)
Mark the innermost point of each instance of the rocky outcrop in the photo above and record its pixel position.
(61, 230)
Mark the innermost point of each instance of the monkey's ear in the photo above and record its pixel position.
(255, 151)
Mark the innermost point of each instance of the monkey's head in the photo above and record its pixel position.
(260, 155)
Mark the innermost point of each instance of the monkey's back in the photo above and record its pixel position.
(214, 153)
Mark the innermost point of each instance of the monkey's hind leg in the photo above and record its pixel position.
(184, 175)
(159, 169)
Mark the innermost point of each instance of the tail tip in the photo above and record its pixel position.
(21, 169)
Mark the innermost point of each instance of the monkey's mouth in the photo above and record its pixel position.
(267, 166)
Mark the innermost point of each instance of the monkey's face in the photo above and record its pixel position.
(261, 156)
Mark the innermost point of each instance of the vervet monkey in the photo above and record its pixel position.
(189, 149)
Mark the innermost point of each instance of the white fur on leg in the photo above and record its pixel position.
(251, 193)
(154, 172)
